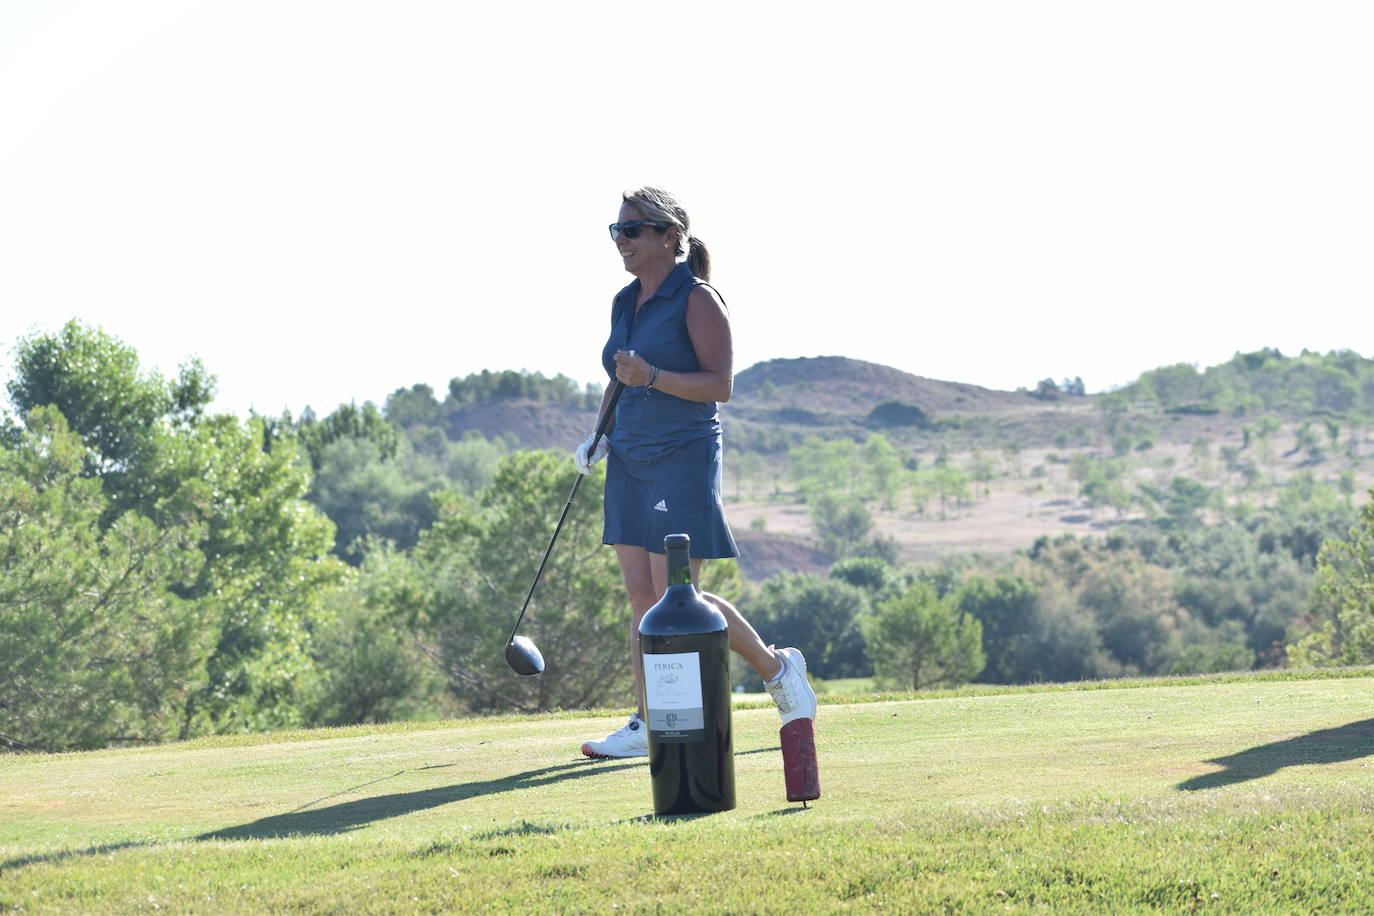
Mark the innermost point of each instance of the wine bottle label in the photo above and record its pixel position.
(672, 696)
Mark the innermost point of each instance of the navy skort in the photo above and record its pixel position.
(678, 494)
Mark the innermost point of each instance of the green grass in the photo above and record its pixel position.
(1230, 794)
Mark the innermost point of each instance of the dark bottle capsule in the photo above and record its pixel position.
(685, 649)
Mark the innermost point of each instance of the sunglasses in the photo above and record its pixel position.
(630, 228)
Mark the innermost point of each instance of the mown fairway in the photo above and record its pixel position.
(1225, 795)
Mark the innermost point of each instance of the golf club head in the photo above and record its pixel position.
(523, 656)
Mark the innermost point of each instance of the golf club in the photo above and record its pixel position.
(521, 653)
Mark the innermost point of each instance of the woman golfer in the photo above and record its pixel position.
(670, 345)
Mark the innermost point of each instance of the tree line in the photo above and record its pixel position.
(1340, 383)
(168, 572)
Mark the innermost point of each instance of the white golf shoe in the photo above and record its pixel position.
(630, 740)
(790, 690)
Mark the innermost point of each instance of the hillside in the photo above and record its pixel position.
(779, 402)
(530, 424)
(1033, 442)
(825, 395)
(852, 387)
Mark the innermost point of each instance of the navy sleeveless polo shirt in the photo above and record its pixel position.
(663, 474)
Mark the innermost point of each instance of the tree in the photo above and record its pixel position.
(1213, 656)
(747, 466)
(841, 522)
(1182, 500)
(370, 667)
(981, 469)
(951, 485)
(365, 494)
(1100, 482)
(896, 414)
(1135, 607)
(347, 422)
(819, 467)
(1227, 575)
(465, 465)
(882, 471)
(94, 645)
(1006, 607)
(1302, 492)
(413, 406)
(1342, 630)
(509, 385)
(822, 615)
(107, 399)
(921, 640)
(921, 486)
(1063, 643)
(470, 574)
(1174, 386)
(1128, 602)
(1265, 432)
(1305, 439)
(875, 576)
(1346, 485)
(262, 565)
(1011, 457)
(266, 572)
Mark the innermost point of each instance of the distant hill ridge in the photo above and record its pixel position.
(835, 386)
(841, 384)
(779, 402)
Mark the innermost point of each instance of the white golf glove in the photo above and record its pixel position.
(588, 454)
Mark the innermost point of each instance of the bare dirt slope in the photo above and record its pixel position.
(1036, 498)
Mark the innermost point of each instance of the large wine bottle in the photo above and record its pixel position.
(685, 649)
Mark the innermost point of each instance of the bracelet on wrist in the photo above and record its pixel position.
(653, 376)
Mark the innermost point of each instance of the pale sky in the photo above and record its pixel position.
(326, 201)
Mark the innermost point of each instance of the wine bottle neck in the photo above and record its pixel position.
(679, 566)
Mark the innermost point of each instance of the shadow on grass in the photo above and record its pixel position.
(348, 815)
(44, 858)
(1330, 745)
(340, 818)
(309, 820)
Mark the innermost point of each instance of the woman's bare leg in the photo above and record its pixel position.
(744, 640)
(636, 569)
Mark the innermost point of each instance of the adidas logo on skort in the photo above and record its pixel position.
(661, 506)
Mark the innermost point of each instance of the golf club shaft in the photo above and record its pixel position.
(596, 437)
